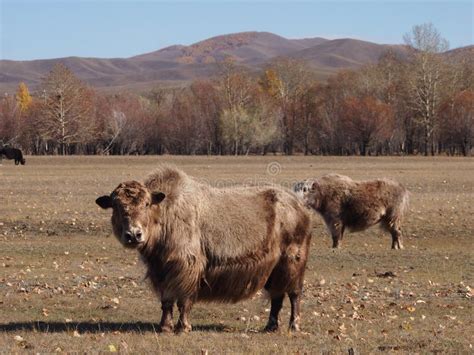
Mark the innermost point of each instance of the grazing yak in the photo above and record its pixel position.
(357, 205)
(13, 153)
(201, 243)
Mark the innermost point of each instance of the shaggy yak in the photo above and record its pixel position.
(201, 243)
(357, 205)
(13, 153)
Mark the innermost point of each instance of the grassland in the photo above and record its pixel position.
(67, 285)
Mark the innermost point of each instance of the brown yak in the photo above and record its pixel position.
(201, 243)
(357, 205)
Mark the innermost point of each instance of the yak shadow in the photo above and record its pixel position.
(96, 327)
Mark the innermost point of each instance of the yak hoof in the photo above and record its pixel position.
(165, 328)
(183, 328)
(294, 327)
(271, 328)
(397, 246)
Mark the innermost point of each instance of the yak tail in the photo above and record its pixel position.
(405, 202)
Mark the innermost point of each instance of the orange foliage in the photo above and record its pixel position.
(366, 120)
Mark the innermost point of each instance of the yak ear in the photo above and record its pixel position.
(104, 201)
(315, 185)
(157, 197)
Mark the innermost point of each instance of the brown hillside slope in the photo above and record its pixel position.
(180, 64)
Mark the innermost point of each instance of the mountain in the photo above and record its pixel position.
(178, 65)
(245, 47)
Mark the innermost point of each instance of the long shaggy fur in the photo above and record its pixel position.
(356, 205)
(222, 244)
(212, 244)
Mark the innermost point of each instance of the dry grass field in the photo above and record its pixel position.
(67, 285)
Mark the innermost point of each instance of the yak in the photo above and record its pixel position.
(356, 205)
(13, 153)
(202, 243)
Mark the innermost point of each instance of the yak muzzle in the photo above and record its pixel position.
(133, 237)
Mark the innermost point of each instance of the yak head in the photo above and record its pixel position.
(309, 192)
(302, 189)
(134, 212)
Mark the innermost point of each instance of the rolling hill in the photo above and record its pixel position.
(244, 47)
(345, 53)
(178, 64)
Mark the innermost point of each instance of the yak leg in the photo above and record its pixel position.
(396, 233)
(341, 235)
(166, 323)
(295, 298)
(394, 228)
(183, 325)
(337, 232)
(277, 303)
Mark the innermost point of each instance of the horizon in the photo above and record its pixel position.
(123, 29)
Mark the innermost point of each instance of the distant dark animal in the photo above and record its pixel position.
(13, 153)
(356, 205)
(201, 243)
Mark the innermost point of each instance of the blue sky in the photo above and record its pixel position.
(118, 28)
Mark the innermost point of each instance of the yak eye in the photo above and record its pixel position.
(147, 204)
(305, 189)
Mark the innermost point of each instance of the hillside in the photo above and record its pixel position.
(345, 53)
(244, 47)
(179, 64)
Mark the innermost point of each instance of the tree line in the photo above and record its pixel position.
(421, 103)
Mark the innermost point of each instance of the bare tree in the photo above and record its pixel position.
(234, 86)
(66, 114)
(237, 91)
(425, 78)
(246, 129)
(115, 127)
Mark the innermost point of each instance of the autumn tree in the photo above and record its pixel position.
(457, 122)
(187, 129)
(366, 121)
(129, 124)
(29, 135)
(110, 123)
(13, 110)
(208, 106)
(23, 98)
(310, 113)
(287, 81)
(9, 120)
(330, 131)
